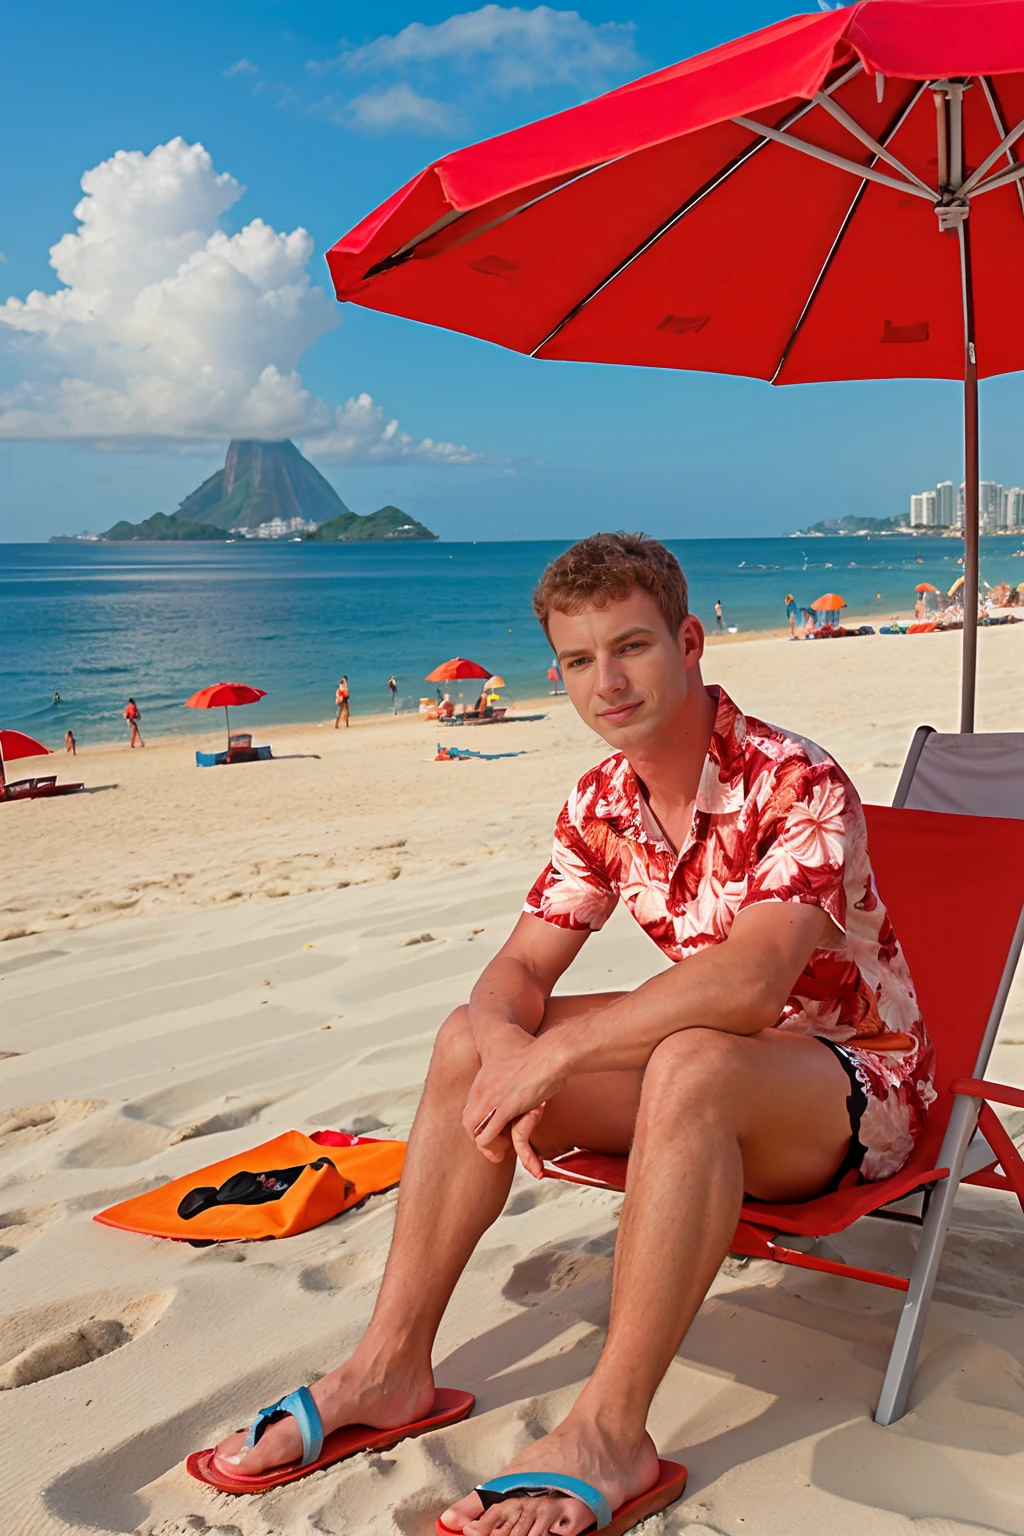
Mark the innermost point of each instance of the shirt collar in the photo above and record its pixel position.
(721, 790)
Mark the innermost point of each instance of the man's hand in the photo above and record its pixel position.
(507, 1098)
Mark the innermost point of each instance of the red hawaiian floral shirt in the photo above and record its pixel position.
(775, 819)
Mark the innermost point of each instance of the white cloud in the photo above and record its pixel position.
(504, 48)
(240, 67)
(167, 331)
(359, 433)
(399, 106)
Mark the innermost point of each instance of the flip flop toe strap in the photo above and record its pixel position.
(303, 1410)
(536, 1484)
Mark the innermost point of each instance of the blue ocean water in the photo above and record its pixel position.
(158, 621)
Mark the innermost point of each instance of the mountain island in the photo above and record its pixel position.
(269, 490)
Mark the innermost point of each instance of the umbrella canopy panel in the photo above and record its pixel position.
(831, 602)
(221, 695)
(15, 744)
(456, 670)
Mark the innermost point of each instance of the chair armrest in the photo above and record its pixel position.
(995, 1093)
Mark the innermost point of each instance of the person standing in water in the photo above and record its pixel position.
(393, 686)
(131, 714)
(341, 699)
(69, 743)
(718, 614)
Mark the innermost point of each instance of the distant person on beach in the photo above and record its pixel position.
(718, 615)
(131, 714)
(341, 699)
(393, 686)
(779, 1055)
(446, 709)
(69, 744)
(555, 678)
(792, 614)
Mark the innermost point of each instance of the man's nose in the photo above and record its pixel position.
(610, 675)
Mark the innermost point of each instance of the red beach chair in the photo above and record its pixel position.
(962, 988)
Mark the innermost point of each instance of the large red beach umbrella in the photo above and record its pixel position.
(223, 695)
(456, 670)
(837, 196)
(15, 744)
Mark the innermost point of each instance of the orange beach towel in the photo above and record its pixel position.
(275, 1190)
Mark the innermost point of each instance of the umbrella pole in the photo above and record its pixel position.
(227, 722)
(969, 660)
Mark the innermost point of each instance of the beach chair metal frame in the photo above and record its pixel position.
(975, 1147)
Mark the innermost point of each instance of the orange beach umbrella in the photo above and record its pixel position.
(222, 695)
(925, 586)
(831, 602)
(456, 670)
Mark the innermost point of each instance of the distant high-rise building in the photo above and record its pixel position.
(1015, 507)
(945, 504)
(920, 508)
(991, 505)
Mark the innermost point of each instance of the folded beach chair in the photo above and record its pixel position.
(962, 940)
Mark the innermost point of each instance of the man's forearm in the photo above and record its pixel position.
(711, 990)
(507, 997)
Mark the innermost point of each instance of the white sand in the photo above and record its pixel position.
(153, 1044)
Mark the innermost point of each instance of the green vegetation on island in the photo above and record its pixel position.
(162, 527)
(386, 525)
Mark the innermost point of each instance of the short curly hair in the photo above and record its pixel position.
(604, 569)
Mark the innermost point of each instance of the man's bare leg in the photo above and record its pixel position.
(450, 1195)
(718, 1114)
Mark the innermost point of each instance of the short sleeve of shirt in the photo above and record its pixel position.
(573, 891)
(802, 838)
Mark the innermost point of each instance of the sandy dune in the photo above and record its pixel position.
(140, 1049)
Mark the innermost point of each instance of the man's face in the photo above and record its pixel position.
(630, 678)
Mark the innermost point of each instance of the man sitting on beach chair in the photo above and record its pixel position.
(785, 1056)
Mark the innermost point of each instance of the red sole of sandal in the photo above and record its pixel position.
(449, 1407)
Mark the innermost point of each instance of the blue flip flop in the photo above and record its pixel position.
(318, 1450)
(669, 1487)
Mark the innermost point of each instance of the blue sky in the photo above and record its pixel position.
(319, 112)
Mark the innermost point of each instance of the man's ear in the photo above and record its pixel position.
(691, 640)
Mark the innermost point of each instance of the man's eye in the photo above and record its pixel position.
(579, 661)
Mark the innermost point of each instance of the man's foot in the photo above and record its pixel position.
(577, 1448)
(346, 1396)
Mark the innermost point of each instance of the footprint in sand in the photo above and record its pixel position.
(190, 1525)
(344, 1270)
(130, 1137)
(46, 1341)
(18, 1127)
(19, 1228)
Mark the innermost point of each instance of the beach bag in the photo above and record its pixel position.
(278, 1189)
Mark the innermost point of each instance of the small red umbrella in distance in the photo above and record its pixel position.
(456, 670)
(15, 744)
(829, 602)
(225, 694)
(925, 586)
(836, 196)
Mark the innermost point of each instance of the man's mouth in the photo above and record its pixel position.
(618, 714)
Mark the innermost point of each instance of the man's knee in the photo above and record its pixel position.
(693, 1068)
(454, 1048)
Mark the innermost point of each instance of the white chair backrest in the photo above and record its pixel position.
(964, 775)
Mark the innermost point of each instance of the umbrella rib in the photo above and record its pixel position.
(878, 149)
(889, 135)
(839, 161)
(680, 213)
(996, 110)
